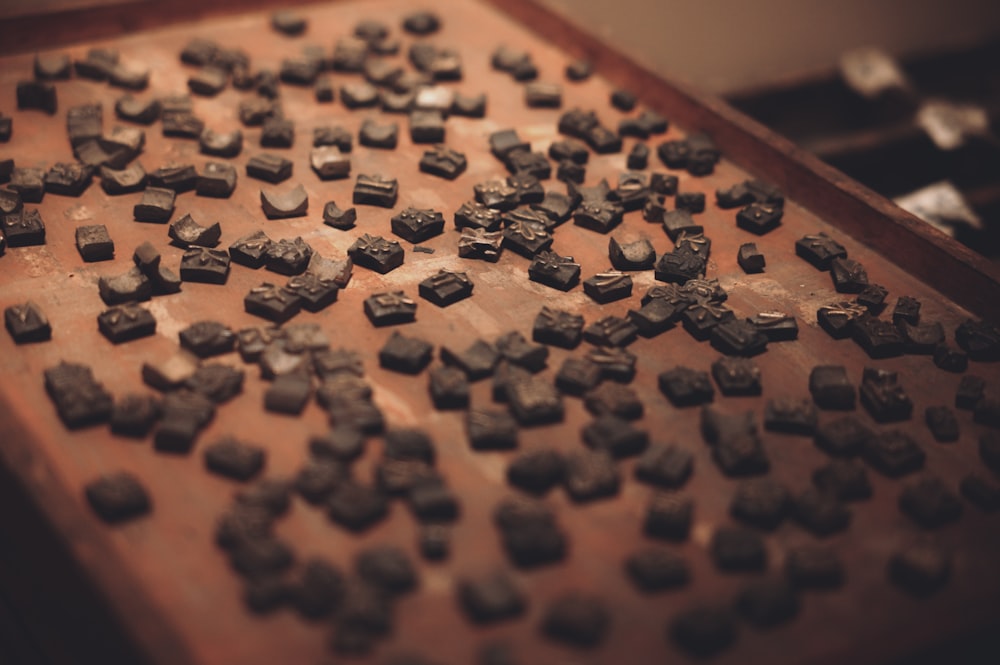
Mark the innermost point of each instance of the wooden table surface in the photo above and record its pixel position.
(171, 590)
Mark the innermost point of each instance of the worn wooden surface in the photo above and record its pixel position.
(171, 591)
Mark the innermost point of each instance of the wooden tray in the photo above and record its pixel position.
(158, 590)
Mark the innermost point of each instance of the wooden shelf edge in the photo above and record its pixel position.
(969, 279)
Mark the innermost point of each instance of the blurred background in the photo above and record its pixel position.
(902, 95)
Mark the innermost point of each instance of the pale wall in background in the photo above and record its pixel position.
(728, 45)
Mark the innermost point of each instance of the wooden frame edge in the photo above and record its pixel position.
(968, 278)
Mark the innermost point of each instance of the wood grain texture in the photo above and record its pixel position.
(172, 592)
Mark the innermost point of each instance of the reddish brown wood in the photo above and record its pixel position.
(173, 591)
